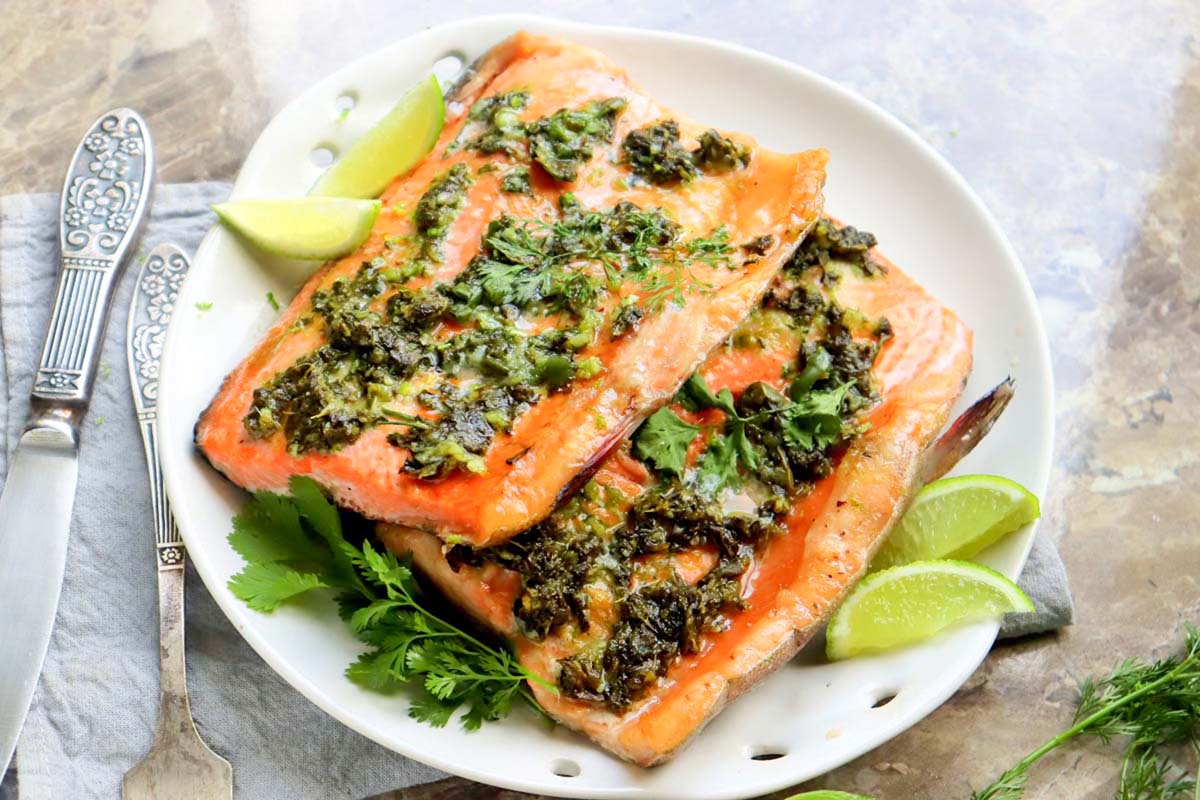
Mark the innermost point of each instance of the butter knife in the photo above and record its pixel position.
(104, 202)
(179, 765)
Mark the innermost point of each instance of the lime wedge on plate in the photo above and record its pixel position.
(957, 518)
(827, 794)
(912, 602)
(331, 223)
(313, 228)
(392, 147)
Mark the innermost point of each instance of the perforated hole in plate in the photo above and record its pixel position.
(345, 103)
(323, 155)
(565, 768)
(763, 752)
(448, 67)
(883, 697)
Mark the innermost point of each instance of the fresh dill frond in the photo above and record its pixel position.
(1156, 705)
(1149, 775)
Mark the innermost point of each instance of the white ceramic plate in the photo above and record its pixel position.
(815, 716)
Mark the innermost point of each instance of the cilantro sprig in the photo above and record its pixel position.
(293, 544)
(811, 422)
(664, 439)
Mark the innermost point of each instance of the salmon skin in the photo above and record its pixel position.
(716, 193)
(796, 577)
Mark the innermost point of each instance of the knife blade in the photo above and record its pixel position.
(103, 205)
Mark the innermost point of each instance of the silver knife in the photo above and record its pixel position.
(104, 202)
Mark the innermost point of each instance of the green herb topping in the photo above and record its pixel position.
(563, 141)
(657, 623)
(628, 317)
(717, 153)
(769, 445)
(438, 208)
(500, 129)
(486, 368)
(829, 242)
(656, 154)
(516, 181)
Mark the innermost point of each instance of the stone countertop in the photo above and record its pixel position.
(1078, 124)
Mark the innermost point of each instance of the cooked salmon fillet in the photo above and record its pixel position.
(771, 201)
(798, 577)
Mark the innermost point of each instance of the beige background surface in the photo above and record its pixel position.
(1079, 124)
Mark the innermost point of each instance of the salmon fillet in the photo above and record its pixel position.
(772, 201)
(797, 577)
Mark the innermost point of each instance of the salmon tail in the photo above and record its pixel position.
(967, 431)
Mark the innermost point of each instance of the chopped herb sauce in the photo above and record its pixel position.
(717, 153)
(657, 623)
(438, 208)
(499, 128)
(478, 367)
(772, 445)
(628, 317)
(656, 154)
(830, 242)
(516, 181)
(563, 141)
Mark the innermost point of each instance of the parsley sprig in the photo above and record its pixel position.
(293, 544)
(812, 422)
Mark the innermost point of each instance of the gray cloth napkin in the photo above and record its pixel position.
(95, 707)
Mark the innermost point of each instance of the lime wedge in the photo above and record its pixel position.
(957, 518)
(392, 147)
(314, 228)
(912, 602)
(827, 794)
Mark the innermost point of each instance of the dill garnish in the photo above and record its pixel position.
(1156, 705)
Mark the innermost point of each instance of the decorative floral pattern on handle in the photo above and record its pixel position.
(103, 204)
(154, 301)
(155, 296)
(105, 187)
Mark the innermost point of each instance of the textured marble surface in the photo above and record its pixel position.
(1077, 122)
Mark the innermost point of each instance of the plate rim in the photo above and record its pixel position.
(981, 635)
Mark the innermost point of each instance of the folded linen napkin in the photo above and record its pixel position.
(94, 710)
(95, 707)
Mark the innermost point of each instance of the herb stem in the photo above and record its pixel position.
(535, 705)
(1122, 705)
(1196, 780)
(457, 631)
(1086, 723)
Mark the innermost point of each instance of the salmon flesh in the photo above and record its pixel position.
(794, 578)
(731, 223)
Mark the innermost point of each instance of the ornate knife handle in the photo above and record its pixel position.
(104, 200)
